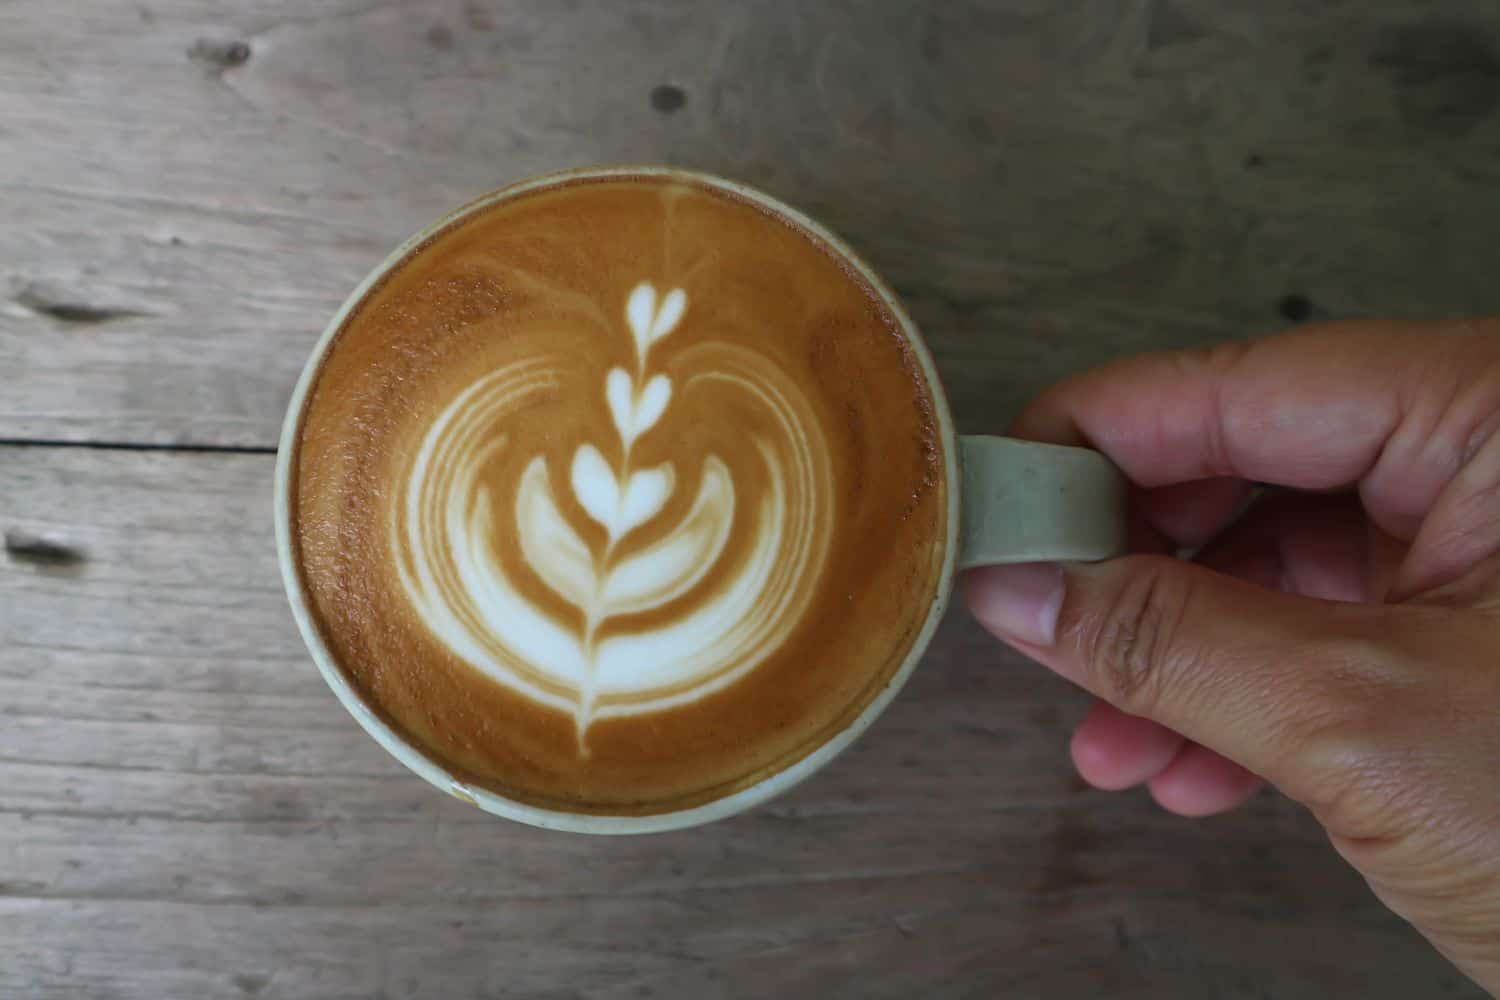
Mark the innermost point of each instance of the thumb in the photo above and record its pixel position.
(1265, 678)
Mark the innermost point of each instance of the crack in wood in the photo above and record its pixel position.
(74, 312)
(184, 447)
(25, 546)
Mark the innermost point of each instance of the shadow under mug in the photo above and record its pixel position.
(1008, 501)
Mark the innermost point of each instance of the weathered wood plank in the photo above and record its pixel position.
(698, 946)
(188, 813)
(190, 189)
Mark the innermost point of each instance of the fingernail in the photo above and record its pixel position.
(1018, 602)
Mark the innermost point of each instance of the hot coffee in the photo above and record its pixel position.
(618, 494)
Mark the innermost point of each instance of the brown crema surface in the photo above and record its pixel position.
(542, 279)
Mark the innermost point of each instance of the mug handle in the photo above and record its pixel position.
(1024, 501)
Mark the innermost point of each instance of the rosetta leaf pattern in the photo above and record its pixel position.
(623, 499)
(728, 613)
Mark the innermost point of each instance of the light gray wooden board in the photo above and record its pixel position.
(189, 188)
(185, 811)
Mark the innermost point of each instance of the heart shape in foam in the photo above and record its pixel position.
(648, 322)
(645, 493)
(635, 414)
(619, 510)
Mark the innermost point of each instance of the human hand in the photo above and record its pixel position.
(1341, 642)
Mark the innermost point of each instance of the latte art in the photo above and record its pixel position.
(618, 496)
(714, 629)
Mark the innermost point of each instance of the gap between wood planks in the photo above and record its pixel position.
(224, 449)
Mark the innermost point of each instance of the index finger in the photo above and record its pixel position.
(1391, 407)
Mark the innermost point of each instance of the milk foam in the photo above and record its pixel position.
(721, 625)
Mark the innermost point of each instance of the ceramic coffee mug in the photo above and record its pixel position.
(1008, 501)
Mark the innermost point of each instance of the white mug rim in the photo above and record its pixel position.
(492, 802)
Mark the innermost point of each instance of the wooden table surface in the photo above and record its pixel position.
(189, 188)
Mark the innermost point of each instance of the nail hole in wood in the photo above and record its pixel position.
(220, 54)
(668, 98)
(1295, 307)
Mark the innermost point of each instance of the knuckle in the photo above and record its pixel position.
(1352, 781)
(1217, 362)
(1130, 649)
(1350, 757)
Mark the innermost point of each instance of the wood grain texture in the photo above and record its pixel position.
(187, 812)
(188, 190)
